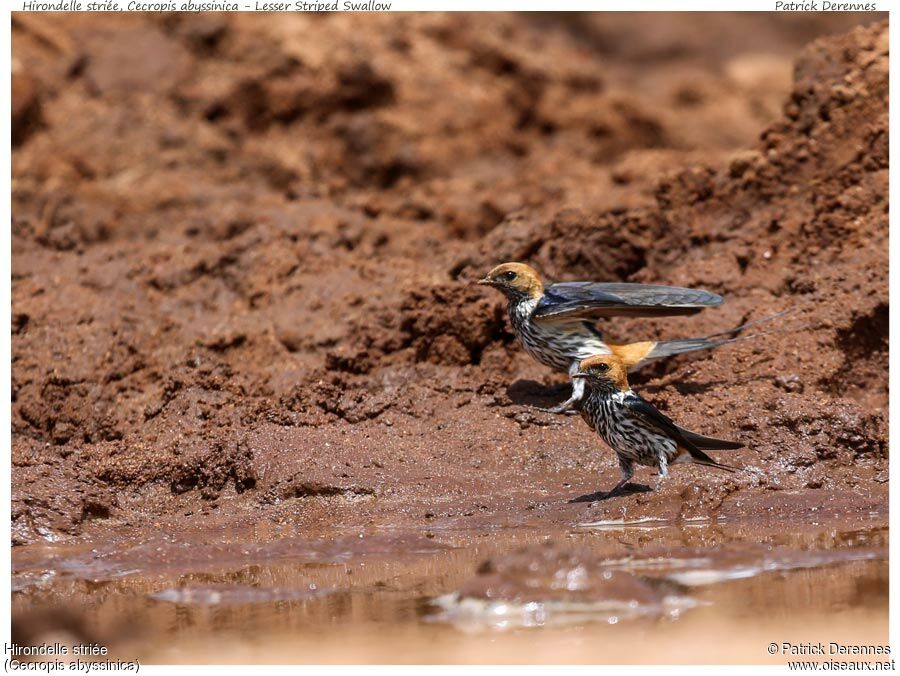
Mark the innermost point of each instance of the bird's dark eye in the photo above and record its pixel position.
(509, 275)
(603, 368)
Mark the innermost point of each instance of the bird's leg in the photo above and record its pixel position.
(627, 468)
(577, 394)
(663, 469)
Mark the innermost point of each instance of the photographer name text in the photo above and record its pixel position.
(825, 6)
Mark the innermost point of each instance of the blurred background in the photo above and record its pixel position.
(180, 122)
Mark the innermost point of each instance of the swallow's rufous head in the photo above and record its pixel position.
(604, 371)
(515, 280)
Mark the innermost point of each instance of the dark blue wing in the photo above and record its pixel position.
(693, 442)
(596, 299)
(653, 417)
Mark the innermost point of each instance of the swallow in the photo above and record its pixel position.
(634, 428)
(556, 323)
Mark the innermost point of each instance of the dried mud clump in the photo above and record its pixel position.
(210, 471)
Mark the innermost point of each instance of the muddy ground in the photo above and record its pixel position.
(244, 248)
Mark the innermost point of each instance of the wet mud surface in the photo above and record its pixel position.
(249, 361)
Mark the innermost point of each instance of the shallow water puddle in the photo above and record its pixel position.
(178, 598)
(699, 567)
(215, 595)
(560, 584)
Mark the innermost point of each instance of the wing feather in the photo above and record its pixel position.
(689, 440)
(597, 299)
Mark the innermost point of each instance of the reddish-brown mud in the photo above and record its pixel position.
(244, 248)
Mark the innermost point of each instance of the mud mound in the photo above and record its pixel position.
(244, 262)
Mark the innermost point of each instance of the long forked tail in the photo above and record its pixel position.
(755, 322)
(708, 443)
(635, 355)
(698, 457)
(695, 445)
(717, 465)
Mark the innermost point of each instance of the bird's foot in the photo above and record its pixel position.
(565, 408)
(618, 489)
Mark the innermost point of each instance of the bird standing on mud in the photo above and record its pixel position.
(555, 324)
(634, 428)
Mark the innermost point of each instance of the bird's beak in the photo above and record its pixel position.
(485, 282)
(580, 374)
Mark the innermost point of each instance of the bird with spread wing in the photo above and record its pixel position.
(555, 323)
